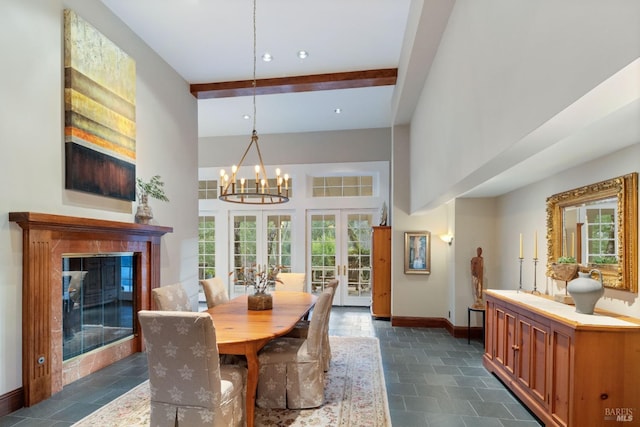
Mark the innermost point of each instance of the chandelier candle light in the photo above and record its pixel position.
(263, 194)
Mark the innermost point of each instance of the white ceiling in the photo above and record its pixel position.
(209, 41)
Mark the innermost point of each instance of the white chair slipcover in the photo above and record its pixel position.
(302, 329)
(292, 369)
(171, 298)
(188, 385)
(215, 291)
(290, 282)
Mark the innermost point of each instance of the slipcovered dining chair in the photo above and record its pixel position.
(171, 298)
(215, 291)
(188, 385)
(291, 369)
(290, 282)
(302, 328)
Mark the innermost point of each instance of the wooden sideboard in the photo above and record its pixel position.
(569, 369)
(381, 278)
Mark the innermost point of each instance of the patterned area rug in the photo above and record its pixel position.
(355, 395)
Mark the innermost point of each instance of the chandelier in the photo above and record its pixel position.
(237, 189)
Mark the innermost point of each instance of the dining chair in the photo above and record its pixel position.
(291, 369)
(302, 328)
(290, 282)
(215, 291)
(188, 386)
(171, 298)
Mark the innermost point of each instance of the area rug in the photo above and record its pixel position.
(355, 395)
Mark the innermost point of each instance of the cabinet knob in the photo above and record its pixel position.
(604, 396)
(515, 347)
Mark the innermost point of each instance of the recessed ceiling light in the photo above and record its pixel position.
(267, 57)
(302, 54)
(246, 117)
(338, 110)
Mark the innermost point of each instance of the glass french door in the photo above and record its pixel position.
(340, 248)
(258, 238)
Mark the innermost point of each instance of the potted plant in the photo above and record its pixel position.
(153, 188)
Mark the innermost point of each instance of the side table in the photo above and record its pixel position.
(477, 310)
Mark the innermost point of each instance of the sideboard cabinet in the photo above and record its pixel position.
(381, 274)
(570, 369)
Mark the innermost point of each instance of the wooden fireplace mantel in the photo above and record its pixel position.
(32, 220)
(45, 239)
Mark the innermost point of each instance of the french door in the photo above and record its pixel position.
(339, 247)
(258, 238)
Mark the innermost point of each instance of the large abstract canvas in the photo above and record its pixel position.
(100, 126)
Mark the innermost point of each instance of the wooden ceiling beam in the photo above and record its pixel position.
(330, 81)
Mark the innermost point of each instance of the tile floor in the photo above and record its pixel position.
(432, 379)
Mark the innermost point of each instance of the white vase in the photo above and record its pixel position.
(586, 291)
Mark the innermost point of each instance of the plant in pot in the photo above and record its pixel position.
(153, 188)
(261, 279)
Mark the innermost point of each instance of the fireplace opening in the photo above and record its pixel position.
(97, 300)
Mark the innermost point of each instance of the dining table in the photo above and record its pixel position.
(241, 331)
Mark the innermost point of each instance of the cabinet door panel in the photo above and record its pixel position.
(505, 338)
(523, 368)
(560, 376)
(539, 356)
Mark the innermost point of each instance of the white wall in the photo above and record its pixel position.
(32, 161)
(360, 145)
(503, 69)
(416, 295)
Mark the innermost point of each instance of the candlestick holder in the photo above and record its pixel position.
(520, 282)
(535, 268)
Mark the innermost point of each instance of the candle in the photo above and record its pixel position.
(257, 169)
(573, 244)
(242, 185)
(535, 245)
(521, 246)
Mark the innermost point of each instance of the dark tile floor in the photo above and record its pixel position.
(432, 379)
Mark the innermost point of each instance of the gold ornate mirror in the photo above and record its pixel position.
(596, 225)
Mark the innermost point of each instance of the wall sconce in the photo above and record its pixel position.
(447, 238)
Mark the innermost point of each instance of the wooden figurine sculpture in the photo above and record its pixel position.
(477, 270)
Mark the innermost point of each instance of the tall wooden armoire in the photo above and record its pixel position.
(381, 272)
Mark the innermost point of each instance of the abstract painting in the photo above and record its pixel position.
(100, 112)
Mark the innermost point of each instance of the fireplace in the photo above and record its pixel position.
(97, 301)
(47, 239)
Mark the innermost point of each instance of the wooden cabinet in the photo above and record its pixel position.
(381, 272)
(569, 369)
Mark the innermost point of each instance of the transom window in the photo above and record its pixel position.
(342, 186)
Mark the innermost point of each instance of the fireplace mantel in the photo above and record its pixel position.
(34, 220)
(45, 238)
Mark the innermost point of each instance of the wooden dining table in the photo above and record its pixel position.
(242, 331)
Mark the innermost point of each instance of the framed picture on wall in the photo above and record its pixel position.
(417, 252)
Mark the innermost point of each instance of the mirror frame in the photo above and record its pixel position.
(624, 275)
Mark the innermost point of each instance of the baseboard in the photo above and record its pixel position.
(437, 322)
(11, 402)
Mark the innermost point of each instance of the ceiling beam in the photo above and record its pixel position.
(330, 81)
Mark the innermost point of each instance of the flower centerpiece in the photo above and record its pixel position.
(153, 188)
(261, 279)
